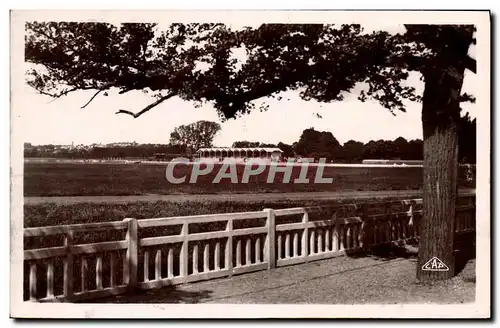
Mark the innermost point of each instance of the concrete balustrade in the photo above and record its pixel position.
(195, 256)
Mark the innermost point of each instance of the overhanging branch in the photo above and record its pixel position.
(125, 90)
(470, 64)
(95, 95)
(101, 89)
(147, 108)
(62, 93)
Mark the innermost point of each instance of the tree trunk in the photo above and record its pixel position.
(439, 197)
(440, 118)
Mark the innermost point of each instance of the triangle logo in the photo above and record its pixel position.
(435, 264)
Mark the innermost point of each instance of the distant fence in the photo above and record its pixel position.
(153, 253)
(393, 161)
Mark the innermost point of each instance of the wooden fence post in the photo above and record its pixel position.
(411, 222)
(389, 232)
(270, 248)
(184, 255)
(33, 282)
(416, 221)
(228, 254)
(68, 267)
(130, 264)
(305, 237)
(366, 227)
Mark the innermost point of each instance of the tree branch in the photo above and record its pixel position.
(470, 64)
(56, 96)
(95, 95)
(125, 91)
(147, 108)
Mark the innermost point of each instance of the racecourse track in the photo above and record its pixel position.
(234, 197)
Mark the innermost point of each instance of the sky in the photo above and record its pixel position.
(64, 122)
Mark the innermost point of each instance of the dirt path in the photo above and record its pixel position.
(230, 197)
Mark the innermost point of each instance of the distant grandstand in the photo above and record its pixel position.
(240, 155)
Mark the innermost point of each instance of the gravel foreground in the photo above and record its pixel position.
(343, 280)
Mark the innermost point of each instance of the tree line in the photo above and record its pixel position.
(187, 139)
(148, 151)
(323, 144)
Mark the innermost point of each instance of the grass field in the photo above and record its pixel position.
(64, 179)
(52, 214)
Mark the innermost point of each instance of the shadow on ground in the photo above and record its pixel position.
(387, 252)
(164, 295)
(465, 251)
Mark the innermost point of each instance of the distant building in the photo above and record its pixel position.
(239, 155)
(393, 162)
(121, 144)
(60, 147)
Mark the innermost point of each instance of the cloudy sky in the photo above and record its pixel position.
(64, 122)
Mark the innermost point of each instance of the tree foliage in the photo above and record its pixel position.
(288, 150)
(195, 135)
(245, 144)
(317, 144)
(467, 140)
(72, 56)
(323, 61)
